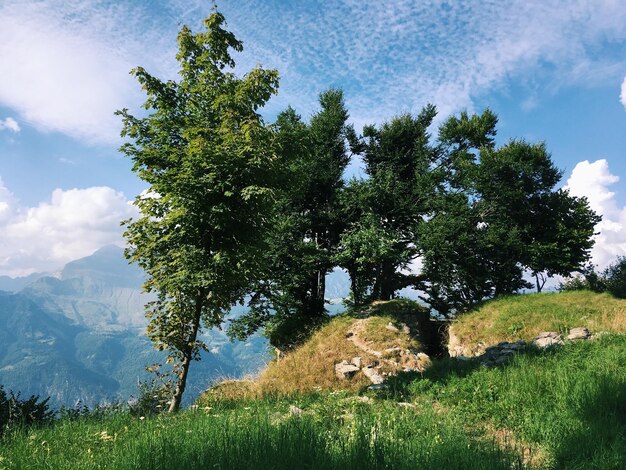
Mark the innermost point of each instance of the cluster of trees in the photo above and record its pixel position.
(241, 210)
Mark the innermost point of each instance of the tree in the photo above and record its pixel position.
(383, 212)
(516, 185)
(209, 162)
(614, 277)
(497, 214)
(289, 302)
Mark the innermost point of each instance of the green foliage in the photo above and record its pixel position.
(289, 300)
(383, 212)
(612, 279)
(210, 165)
(496, 213)
(18, 413)
(615, 278)
(516, 185)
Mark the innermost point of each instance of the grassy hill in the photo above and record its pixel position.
(525, 316)
(562, 407)
(375, 334)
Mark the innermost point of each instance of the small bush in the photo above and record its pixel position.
(615, 278)
(16, 413)
(612, 279)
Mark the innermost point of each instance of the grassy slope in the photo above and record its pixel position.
(310, 368)
(524, 316)
(560, 408)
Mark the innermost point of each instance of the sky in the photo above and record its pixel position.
(553, 71)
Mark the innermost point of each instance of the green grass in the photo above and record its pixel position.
(524, 316)
(567, 405)
(332, 432)
(562, 408)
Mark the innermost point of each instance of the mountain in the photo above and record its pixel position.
(14, 284)
(81, 336)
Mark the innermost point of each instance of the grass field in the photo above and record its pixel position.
(564, 408)
(524, 316)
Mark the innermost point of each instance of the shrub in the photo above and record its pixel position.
(15, 412)
(612, 279)
(615, 278)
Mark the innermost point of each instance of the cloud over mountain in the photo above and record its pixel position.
(71, 224)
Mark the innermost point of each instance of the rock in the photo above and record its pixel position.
(373, 375)
(391, 327)
(378, 387)
(404, 404)
(295, 411)
(546, 339)
(356, 361)
(393, 350)
(422, 356)
(349, 334)
(548, 334)
(579, 333)
(502, 359)
(344, 370)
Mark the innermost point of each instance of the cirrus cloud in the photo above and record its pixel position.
(65, 63)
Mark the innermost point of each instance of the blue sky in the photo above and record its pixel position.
(553, 71)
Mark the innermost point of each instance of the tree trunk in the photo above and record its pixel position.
(386, 282)
(320, 290)
(187, 357)
(540, 281)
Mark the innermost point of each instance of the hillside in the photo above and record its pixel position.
(525, 316)
(79, 336)
(544, 408)
(382, 340)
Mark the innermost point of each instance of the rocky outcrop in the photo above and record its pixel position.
(392, 359)
(579, 333)
(344, 370)
(503, 351)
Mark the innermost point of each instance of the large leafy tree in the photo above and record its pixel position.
(384, 211)
(289, 301)
(209, 162)
(517, 186)
(496, 214)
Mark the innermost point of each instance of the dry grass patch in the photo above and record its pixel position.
(360, 333)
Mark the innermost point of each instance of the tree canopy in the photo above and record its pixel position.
(210, 166)
(237, 210)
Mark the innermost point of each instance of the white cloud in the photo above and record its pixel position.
(65, 64)
(9, 124)
(622, 96)
(72, 224)
(395, 56)
(593, 180)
